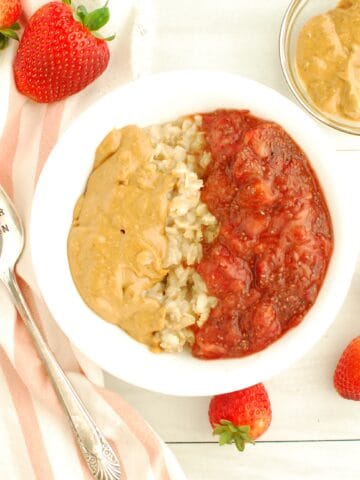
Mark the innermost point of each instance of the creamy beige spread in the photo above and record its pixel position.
(117, 244)
(328, 60)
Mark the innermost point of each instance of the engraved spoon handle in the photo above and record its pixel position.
(95, 449)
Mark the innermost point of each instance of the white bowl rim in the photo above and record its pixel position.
(147, 101)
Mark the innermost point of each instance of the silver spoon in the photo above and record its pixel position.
(95, 449)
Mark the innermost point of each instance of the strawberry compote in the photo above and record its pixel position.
(275, 239)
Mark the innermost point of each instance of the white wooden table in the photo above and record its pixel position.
(314, 432)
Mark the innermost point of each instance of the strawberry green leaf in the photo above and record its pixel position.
(225, 422)
(9, 33)
(232, 428)
(94, 20)
(240, 444)
(97, 19)
(15, 26)
(225, 438)
(218, 429)
(230, 433)
(67, 2)
(77, 17)
(81, 9)
(80, 14)
(244, 429)
(3, 41)
(100, 37)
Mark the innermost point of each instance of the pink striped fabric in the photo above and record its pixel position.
(36, 441)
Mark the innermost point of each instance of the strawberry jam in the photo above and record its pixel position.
(269, 260)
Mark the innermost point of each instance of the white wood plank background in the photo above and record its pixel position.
(314, 432)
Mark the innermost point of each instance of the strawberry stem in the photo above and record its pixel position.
(230, 433)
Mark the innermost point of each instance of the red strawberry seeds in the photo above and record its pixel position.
(242, 416)
(58, 56)
(347, 372)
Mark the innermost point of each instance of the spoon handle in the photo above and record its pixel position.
(94, 447)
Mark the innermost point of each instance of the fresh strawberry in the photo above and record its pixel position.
(347, 372)
(10, 11)
(60, 52)
(240, 417)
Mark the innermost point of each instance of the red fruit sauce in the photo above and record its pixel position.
(269, 260)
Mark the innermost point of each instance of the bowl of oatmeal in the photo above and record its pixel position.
(200, 236)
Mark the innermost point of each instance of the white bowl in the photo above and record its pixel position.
(155, 99)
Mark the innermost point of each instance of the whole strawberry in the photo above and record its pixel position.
(10, 11)
(347, 372)
(60, 52)
(240, 417)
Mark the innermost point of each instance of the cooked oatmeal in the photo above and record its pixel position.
(179, 150)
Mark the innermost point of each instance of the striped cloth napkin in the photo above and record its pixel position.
(35, 438)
